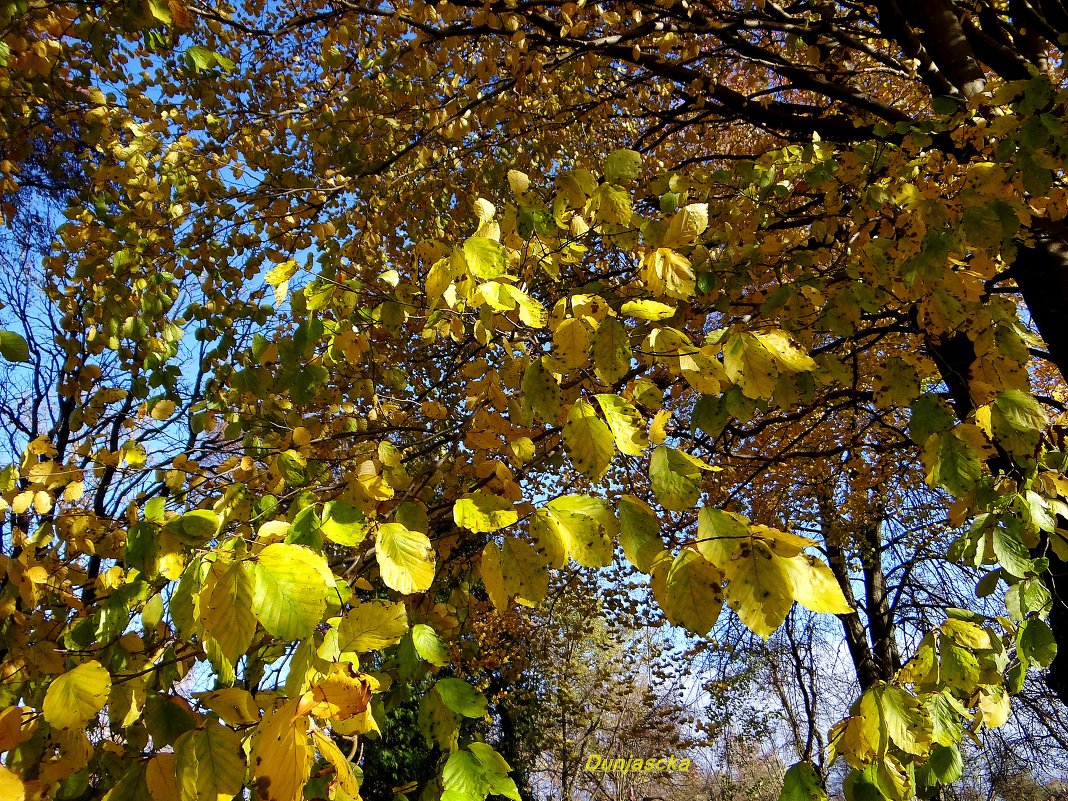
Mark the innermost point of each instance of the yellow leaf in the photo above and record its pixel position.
(814, 585)
(226, 608)
(481, 512)
(234, 705)
(676, 477)
(210, 765)
(515, 570)
(692, 594)
(758, 588)
(484, 210)
(281, 756)
(688, 223)
(751, 365)
(658, 428)
(10, 728)
(290, 584)
(343, 773)
(786, 352)
(853, 739)
(611, 351)
(42, 502)
(572, 343)
(639, 532)
(11, 786)
(666, 272)
(626, 423)
(588, 441)
(372, 626)
(21, 503)
(994, 706)
(489, 567)
(541, 392)
(341, 695)
(518, 182)
(278, 277)
(161, 777)
(531, 312)
(162, 409)
(578, 526)
(73, 699)
(647, 309)
(782, 543)
(405, 558)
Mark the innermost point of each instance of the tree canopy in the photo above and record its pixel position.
(332, 332)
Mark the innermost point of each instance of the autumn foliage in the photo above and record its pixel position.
(332, 332)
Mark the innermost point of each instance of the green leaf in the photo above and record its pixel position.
(161, 10)
(167, 719)
(639, 532)
(588, 441)
(930, 414)
(497, 770)
(944, 766)
(429, 646)
(74, 698)
(293, 468)
(13, 347)
(953, 463)
(693, 592)
(945, 104)
(622, 166)
(959, 668)
(438, 723)
(372, 626)
(481, 512)
(711, 415)
(306, 529)
(1011, 554)
(626, 423)
(1019, 411)
(464, 778)
(195, 527)
(1036, 642)
(675, 478)
(226, 609)
(896, 382)
(343, 523)
(461, 697)
(406, 558)
(210, 764)
(944, 712)
(859, 786)
(802, 783)
(901, 717)
(290, 583)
